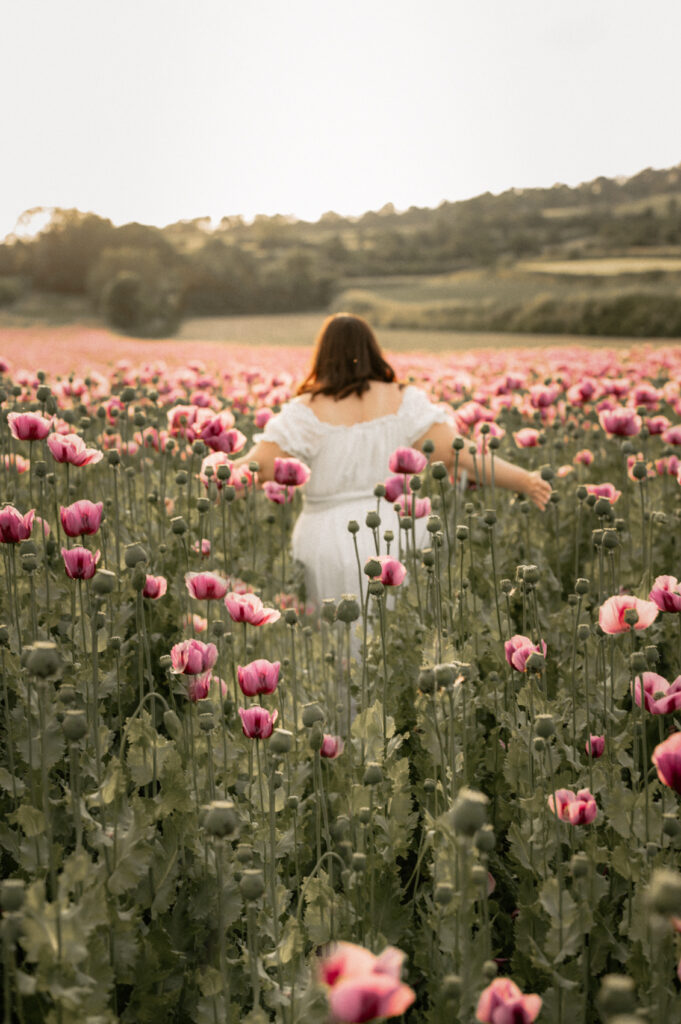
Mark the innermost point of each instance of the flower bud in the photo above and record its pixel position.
(469, 812)
(172, 724)
(221, 819)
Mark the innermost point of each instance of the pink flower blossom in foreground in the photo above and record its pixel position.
(257, 723)
(666, 594)
(291, 472)
(519, 648)
(192, 657)
(199, 687)
(413, 506)
(259, 676)
(364, 986)
(526, 437)
(262, 416)
(83, 517)
(155, 587)
(79, 563)
(13, 526)
(392, 571)
(206, 586)
(667, 759)
(594, 746)
(332, 746)
(195, 622)
(279, 494)
(72, 449)
(672, 435)
(502, 1002)
(661, 697)
(407, 461)
(221, 440)
(576, 808)
(611, 613)
(584, 457)
(249, 608)
(29, 426)
(394, 488)
(657, 424)
(621, 421)
(608, 491)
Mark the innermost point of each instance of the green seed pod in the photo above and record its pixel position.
(638, 662)
(139, 579)
(439, 471)
(222, 819)
(443, 894)
(67, 694)
(113, 458)
(134, 555)
(328, 609)
(671, 826)
(206, 721)
(583, 632)
(353, 526)
(434, 524)
(375, 588)
(379, 492)
(546, 473)
(664, 892)
(348, 608)
(218, 628)
(364, 815)
(281, 741)
(415, 484)
(639, 470)
(451, 986)
(202, 505)
(490, 970)
(372, 567)
(178, 525)
(172, 724)
(535, 662)
(484, 839)
(543, 726)
(223, 473)
(252, 884)
(505, 586)
(429, 786)
(373, 521)
(128, 395)
(445, 674)
(580, 865)
(292, 802)
(244, 853)
(359, 862)
(115, 643)
(426, 680)
(652, 655)
(539, 745)
(340, 827)
(405, 521)
(469, 812)
(316, 737)
(479, 875)
(373, 774)
(12, 895)
(29, 563)
(388, 536)
(610, 540)
(312, 713)
(616, 995)
(44, 660)
(290, 616)
(74, 725)
(630, 616)
(462, 533)
(103, 582)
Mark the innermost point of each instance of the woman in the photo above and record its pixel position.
(349, 415)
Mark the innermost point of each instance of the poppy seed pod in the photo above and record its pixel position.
(639, 471)
(582, 587)
(221, 818)
(252, 884)
(439, 471)
(353, 526)
(451, 986)
(671, 826)
(373, 774)
(617, 995)
(12, 895)
(426, 680)
(372, 567)
(630, 616)
(359, 861)
(373, 520)
(44, 660)
(469, 812)
(543, 725)
(579, 865)
(484, 839)
(316, 737)
(134, 555)
(74, 724)
(443, 893)
(328, 609)
(462, 533)
(281, 741)
(103, 582)
(479, 875)
(664, 892)
(348, 609)
(375, 588)
(312, 713)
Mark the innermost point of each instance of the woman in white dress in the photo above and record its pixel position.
(350, 414)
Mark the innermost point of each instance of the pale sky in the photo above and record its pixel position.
(160, 110)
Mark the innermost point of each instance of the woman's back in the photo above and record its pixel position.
(380, 399)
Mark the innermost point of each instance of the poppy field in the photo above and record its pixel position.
(452, 795)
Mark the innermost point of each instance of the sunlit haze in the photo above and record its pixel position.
(161, 110)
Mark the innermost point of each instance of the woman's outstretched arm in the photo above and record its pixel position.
(264, 453)
(513, 478)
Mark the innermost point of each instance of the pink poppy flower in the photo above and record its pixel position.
(214, 460)
(203, 549)
(345, 959)
(526, 437)
(611, 613)
(18, 462)
(668, 466)
(407, 461)
(604, 491)
(661, 697)
(195, 622)
(364, 997)
(657, 424)
(29, 426)
(198, 687)
(249, 608)
(72, 449)
(394, 488)
(672, 435)
(257, 723)
(221, 440)
(519, 648)
(279, 494)
(667, 759)
(291, 472)
(621, 421)
(332, 746)
(595, 745)
(502, 1002)
(79, 563)
(192, 657)
(542, 395)
(259, 676)
(584, 457)
(413, 506)
(83, 517)
(262, 416)
(13, 526)
(206, 586)
(666, 594)
(155, 587)
(576, 808)
(392, 571)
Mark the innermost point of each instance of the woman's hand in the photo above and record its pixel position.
(537, 490)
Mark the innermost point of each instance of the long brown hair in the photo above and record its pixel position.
(346, 357)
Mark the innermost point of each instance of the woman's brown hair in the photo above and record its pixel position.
(346, 357)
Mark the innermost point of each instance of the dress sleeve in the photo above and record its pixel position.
(295, 429)
(420, 413)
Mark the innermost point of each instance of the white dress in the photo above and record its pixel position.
(346, 463)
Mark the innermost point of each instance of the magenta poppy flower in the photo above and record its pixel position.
(280, 494)
(392, 571)
(657, 425)
(16, 462)
(155, 587)
(72, 449)
(576, 808)
(611, 613)
(291, 472)
(257, 723)
(192, 657)
(666, 594)
(584, 457)
(259, 676)
(667, 759)
(394, 488)
(594, 746)
(527, 437)
(219, 439)
(413, 506)
(262, 416)
(249, 608)
(79, 563)
(361, 998)
(29, 426)
(198, 687)
(13, 526)
(332, 746)
(608, 491)
(672, 435)
(621, 421)
(206, 586)
(519, 648)
(407, 461)
(83, 517)
(344, 959)
(661, 697)
(502, 1002)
